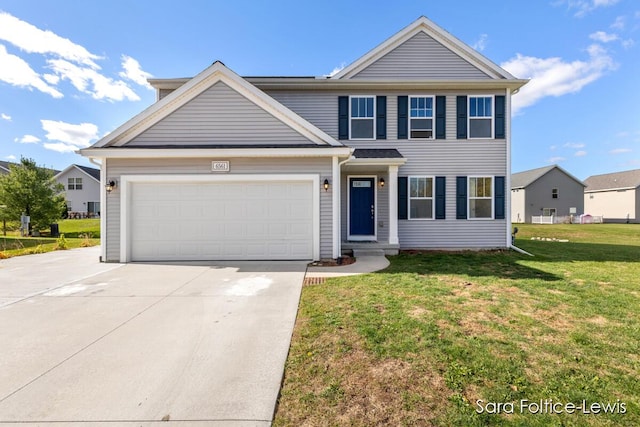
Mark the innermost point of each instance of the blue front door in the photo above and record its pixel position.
(362, 207)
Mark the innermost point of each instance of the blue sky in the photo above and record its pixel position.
(71, 71)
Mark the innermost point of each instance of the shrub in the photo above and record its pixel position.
(61, 243)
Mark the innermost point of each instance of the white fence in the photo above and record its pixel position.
(567, 219)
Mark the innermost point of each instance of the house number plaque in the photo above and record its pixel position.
(220, 166)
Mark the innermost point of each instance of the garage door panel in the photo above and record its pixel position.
(221, 220)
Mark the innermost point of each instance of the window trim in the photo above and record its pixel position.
(373, 137)
(433, 117)
(555, 194)
(492, 198)
(75, 183)
(555, 211)
(432, 198)
(492, 117)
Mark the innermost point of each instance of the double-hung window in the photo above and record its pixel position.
(554, 193)
(481, 197)
(421, 197)
(481, 116)
(362, 117)
(421, 113)
(74, 184)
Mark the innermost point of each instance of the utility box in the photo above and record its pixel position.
(55, 231)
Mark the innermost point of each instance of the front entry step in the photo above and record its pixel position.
(367, 252)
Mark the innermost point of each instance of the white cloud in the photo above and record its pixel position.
(620, 151)
(583, 7)
(67, 137)
(603, 37)
(17, 72)
(580, 153)
(555, 76)
(555, 159)
(31, 39)
(91, 82)
(51, 79)
(28, 139)
(553, 148)
(133, 71)
(628, 43)
(336, 70)
(5, 117)
(573, 145)
(619, 23)
(11, 157)
(481, 44)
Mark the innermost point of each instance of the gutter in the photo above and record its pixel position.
(522, 251)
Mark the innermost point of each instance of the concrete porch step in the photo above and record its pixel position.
(367, 252)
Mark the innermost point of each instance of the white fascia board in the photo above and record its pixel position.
(610, 189)
(194, 87)
(61, 173)
(125, 153)
(436, 32)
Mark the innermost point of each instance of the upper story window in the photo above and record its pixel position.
(74, 184)
(421, 112)
(421, 197)
(481, 117)
(481, 197)
(554, 193)
(362, 117)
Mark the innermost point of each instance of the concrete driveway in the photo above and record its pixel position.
(135, 344)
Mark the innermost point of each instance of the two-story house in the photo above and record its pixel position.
(82, 190)
(407, 147)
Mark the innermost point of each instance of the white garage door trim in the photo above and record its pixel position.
(126, 182)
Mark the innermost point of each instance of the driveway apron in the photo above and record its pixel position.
(188, 343)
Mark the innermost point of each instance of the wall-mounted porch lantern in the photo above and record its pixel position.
(326, 185)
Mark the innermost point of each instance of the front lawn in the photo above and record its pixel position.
(77, 233)
(438, 337)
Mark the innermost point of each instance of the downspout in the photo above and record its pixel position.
(337, 212)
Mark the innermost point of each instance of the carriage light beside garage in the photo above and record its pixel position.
(381, 182)
(326, 185)
(110, 186)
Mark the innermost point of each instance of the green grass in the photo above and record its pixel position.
(77, 232)
(421, 342)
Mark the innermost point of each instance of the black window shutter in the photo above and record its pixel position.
(381, 117)
(402, 197)
(403, 117)
(440, 197)
(343, 117)
(500, 117)
(461, 110)
(441, 117)
(461, 197)
(499, 200)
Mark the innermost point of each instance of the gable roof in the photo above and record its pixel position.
(525, 178)
(613, 181)
(213, 74)
(92, 172)
(428, 27)
(4, 167)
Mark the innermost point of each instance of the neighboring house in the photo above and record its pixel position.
(407, 147)
(82, 189)
(614, 196)
(546, 191)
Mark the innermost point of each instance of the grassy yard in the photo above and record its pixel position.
(423, 341)
(77, 232)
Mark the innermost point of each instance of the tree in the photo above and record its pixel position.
(31, 190)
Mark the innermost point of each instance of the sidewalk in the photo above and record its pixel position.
(363, 264)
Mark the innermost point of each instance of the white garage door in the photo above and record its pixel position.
(254, 220)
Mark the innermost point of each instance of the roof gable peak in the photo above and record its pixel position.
(428, 27)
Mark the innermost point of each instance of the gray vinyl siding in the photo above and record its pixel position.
(421, 57)
(321, 108)
(219, 115)
(118, 167)
(449, 158)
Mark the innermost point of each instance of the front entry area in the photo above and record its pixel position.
(362, 208)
